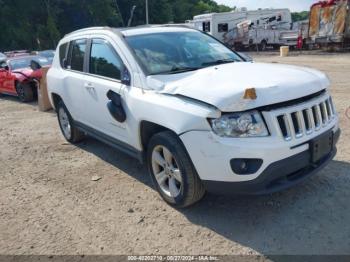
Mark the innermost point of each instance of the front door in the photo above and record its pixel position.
(104, 74)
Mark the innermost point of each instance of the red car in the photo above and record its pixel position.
(18, 79)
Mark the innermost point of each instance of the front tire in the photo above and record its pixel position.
(70, 132)
(172, 171)
(25, 92)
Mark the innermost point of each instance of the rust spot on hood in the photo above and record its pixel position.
(250, 93)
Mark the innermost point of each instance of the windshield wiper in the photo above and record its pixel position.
(219, 62)
(178, 70)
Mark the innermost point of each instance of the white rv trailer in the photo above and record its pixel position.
(247, 35)
(219, 24)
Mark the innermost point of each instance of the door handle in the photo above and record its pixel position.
(89, 86)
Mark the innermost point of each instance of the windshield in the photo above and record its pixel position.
(176, 52)
(21, 63)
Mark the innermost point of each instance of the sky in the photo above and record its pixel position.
(293, 5)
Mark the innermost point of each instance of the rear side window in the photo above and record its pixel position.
(104, 61)
(77, 55)
(63, 52)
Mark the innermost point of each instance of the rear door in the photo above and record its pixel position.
(105, 67)
(74, 79)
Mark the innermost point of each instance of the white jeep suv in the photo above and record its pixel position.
(200, 115)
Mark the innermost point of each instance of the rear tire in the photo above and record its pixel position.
(25, 92)
(172, 171)
(70, 132)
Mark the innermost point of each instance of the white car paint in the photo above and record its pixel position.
(224, 85)
(184, 102)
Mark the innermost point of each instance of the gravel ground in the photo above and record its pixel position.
(49, 205)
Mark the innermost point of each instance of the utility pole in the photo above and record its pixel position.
(131, 15)
(147, 17)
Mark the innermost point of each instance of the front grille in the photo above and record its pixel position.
(299, 123)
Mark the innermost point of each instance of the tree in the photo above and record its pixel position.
(51, 27)
(300, 16)
(39, 24)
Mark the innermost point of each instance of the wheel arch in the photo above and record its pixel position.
(27, 83)
(147, 130)
(16, 81)
(55, 99)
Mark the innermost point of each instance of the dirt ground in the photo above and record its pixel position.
(49, 205)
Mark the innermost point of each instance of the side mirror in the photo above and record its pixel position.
(115, 106)
(34, 65)
(5, 68)
(125, 77)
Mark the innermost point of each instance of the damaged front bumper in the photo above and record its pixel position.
(277, 176)
(282, 167)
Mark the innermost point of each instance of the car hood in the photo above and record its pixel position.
(224, 86)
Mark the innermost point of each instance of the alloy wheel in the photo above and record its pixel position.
(20, 92)
(166, 171)
(64, 122)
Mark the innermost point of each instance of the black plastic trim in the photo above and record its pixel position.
(252, 165)
(291, 102)
(115, 143)
(277, 177)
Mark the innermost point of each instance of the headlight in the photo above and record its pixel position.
(246, 124)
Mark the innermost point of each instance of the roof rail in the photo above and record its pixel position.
(152, 26)
(176, 25)
(89, 28)
(119, 29)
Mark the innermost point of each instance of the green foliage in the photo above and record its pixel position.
(39, 24)
(300, 16)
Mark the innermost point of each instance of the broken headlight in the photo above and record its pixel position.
(246, 124)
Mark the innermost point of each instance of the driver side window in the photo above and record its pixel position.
(104, 60)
